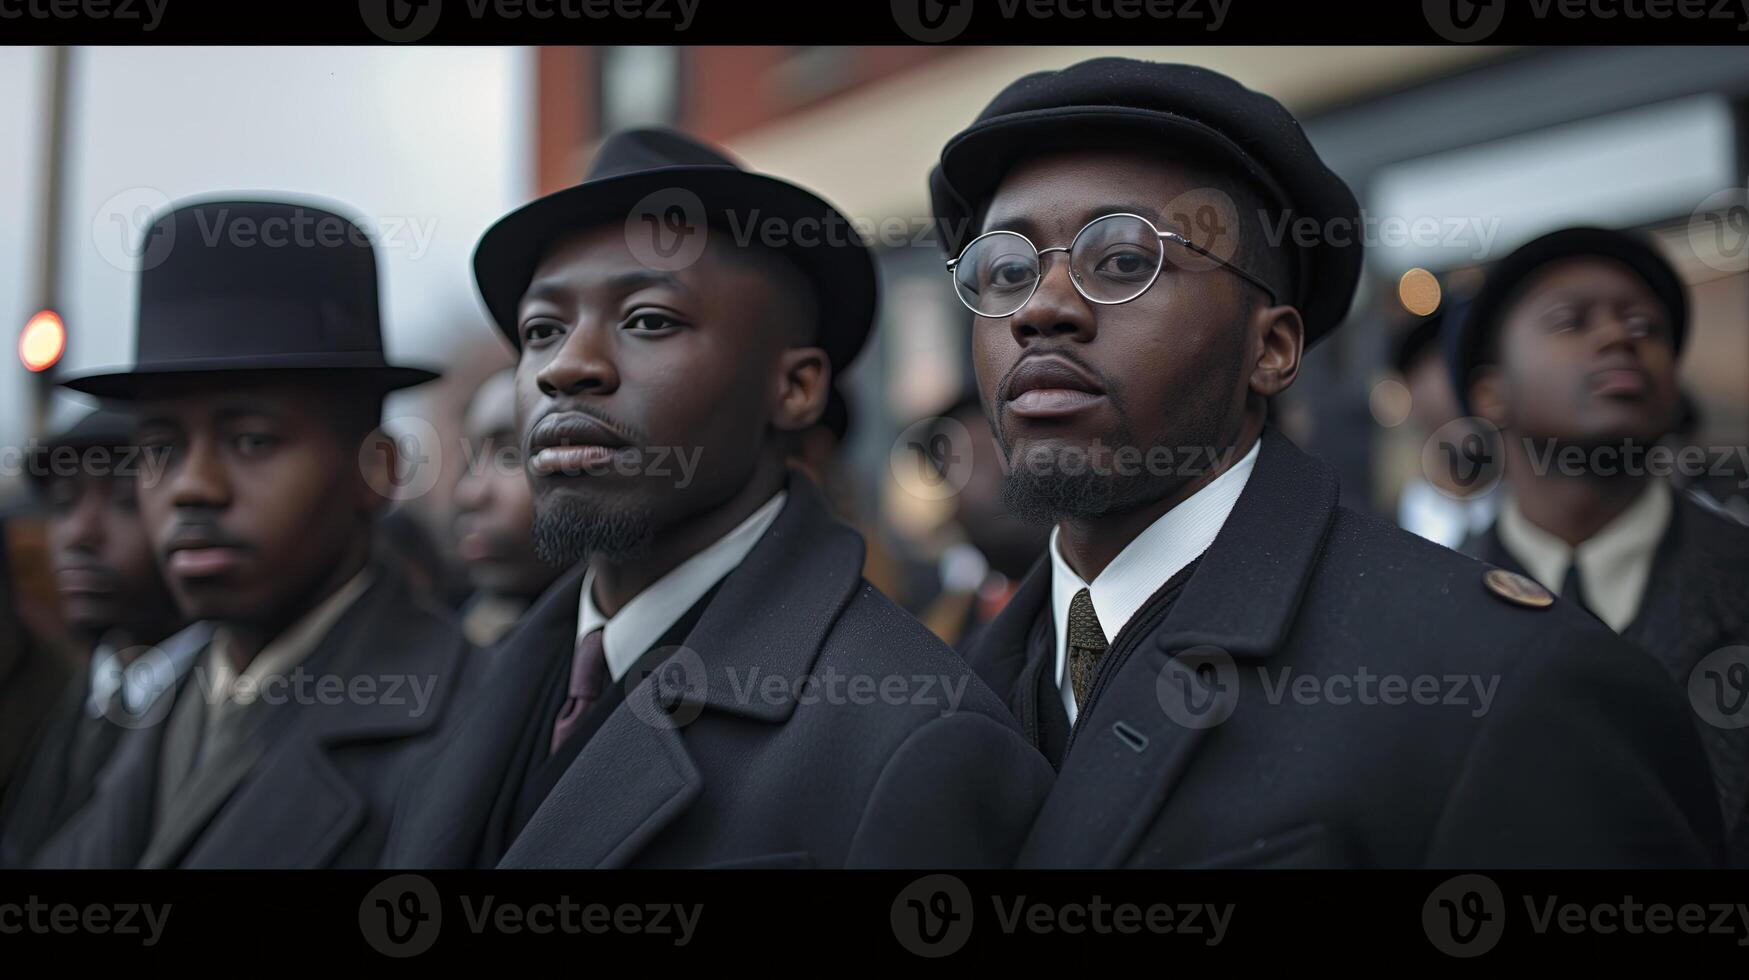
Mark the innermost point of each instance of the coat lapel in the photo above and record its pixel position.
(384, 637)
(1129, 751)
(770, 616)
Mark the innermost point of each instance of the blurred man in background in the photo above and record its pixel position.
(494, 516)
(116, 604)
(1571, 349)
(323, 672)
(1430, 503)
(980, 572)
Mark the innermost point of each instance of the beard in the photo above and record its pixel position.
(569, 528)
(1049, 482)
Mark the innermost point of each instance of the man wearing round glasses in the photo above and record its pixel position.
(1225, 666)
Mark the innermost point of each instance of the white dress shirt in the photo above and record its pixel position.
(1614, 564)
(630, 633)
(1173, 541)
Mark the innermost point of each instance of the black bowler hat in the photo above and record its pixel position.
(1469, 339)
(1167, 107)
(655, 169)
(257, 287)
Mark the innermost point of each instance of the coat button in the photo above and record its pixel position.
(1517, 589)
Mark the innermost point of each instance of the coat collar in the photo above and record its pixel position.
(770, 617)
(387, 636)
(1242, 600)
(1247, 589)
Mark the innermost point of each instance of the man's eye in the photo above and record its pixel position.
(1125, 264)
(1009, 274)
(1561, 320)
(650, 321)
(251, 444)
(1643, 325)
(536, 331)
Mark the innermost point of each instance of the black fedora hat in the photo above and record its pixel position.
(1167, 106)
(256, 288)
(1469, 339)
(644, 174)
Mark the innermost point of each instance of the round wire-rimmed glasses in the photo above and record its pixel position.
(1113, 259)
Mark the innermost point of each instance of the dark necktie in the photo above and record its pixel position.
(1086, 645)
(588, 679)
(1571, 589)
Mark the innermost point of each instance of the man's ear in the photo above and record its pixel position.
(803, 380)
(1488, 395)
(1281, 338)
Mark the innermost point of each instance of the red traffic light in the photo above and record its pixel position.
(43, 341)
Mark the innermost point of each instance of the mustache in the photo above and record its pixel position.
(560, 418)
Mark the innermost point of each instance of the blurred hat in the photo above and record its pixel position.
(634, 164)
(1469, 340)
(215, 304)
(1164, 106)
(102, 427)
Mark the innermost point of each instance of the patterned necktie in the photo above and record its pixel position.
(1086, 644)
(588, 678)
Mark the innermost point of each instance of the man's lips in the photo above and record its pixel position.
(203, 562)
(1619, 382)
(1044, 386)
(569, 443)
(84, 580)
(200, 554)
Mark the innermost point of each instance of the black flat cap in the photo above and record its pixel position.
(634, 164)
(1469, 339)
(255, 289)
(1166, 106)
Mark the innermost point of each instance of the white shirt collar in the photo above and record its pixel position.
(1161, 551)
(1614, 564)
(629, 634)
(105, 678)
